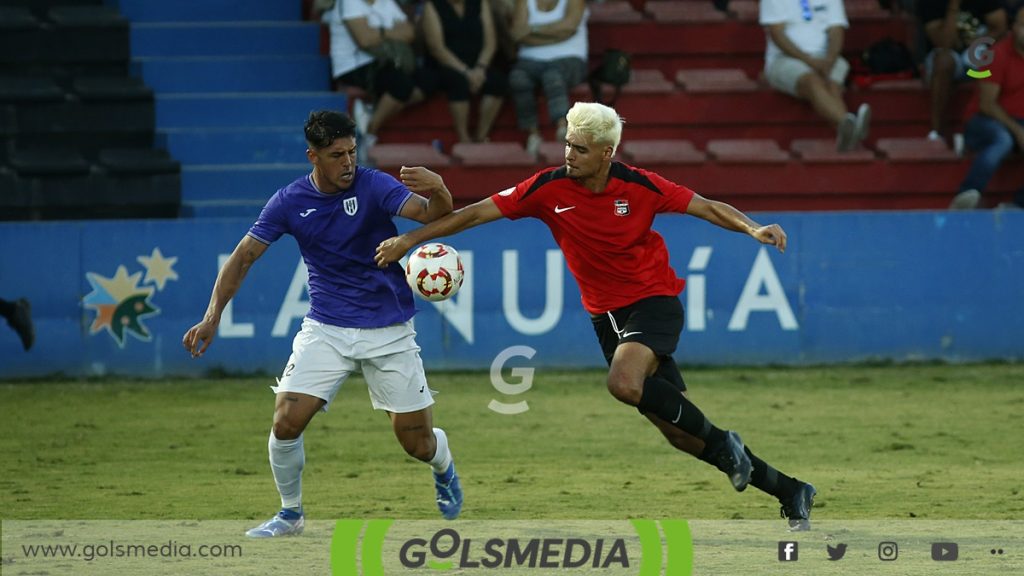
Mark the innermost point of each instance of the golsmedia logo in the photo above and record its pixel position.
(366, 548)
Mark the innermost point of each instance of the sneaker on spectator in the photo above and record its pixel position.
(934, 136)
(862, 124)
(533, 142)
(363, 145)
(361, 113)
(966, 200)
(845, 133)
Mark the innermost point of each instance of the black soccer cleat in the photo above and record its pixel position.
(21, 322)
(733, 460)
(797, 508)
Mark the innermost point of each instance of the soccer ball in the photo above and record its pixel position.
(434, 272)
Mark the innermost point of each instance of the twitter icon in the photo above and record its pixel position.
(836, 553)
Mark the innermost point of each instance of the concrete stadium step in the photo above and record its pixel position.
(233, 109)
(208, 10)
(234, 73)
(178, 39)
(263, 145)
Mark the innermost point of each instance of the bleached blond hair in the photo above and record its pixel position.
(601, 123)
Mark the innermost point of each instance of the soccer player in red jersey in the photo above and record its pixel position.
(600, 213)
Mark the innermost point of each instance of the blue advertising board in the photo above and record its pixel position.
(116, 297)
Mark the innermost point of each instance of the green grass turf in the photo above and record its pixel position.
(895, 442)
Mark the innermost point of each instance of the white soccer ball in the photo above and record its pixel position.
(434, 272)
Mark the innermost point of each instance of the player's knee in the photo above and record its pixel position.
(625, 389)
(286, 430)
(421, 447)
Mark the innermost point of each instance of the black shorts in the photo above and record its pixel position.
(655, 322)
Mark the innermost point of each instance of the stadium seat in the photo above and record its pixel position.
(647, 82)
(757, 151)
(397, 155)
(745, 10)
(613, 12)
(824, 151)
(688, 12)
(642, 152)
(86, 34)
(492, 154)
(715, 80)
(552, 153)
(915, 150)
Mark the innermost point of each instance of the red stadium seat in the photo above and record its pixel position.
(688, 12)
(492, 154)
(824, 151)
(613, 12)
(647, 82)
(915, 150)
(643, 152)
(394, 155)
(552, 153)
(756, 151)
(715, 80)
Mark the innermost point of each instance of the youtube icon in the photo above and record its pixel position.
(945, 551)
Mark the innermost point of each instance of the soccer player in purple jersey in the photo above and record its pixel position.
(360, 316)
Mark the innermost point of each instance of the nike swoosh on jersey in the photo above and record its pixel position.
(559, 210)
(678, 416)
(307, 212)
(624, 334)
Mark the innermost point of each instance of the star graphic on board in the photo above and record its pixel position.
(120, 304)
(158, 268)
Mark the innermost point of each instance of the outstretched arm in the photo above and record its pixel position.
(392, 249)
(229, 279)
(725, 216)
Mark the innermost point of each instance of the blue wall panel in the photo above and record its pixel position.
(225, 39)
(116, 297)
(207, 10)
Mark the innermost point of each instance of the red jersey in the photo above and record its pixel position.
(606, 238)
(1008, 72)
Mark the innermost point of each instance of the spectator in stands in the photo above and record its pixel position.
(552, 38)
(805, 38)
(461, 42)
(950, 27)
(997, 126)
(19, 316)
(371, 49)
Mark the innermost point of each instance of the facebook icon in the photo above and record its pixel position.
(788, 551)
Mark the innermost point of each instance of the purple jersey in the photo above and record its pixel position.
(338, 236)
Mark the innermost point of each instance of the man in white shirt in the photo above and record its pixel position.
(802, 59)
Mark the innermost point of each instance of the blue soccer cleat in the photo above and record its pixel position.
(286, 523)
(449, 493)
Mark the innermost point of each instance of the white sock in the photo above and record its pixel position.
(442, 456)
(287, 457)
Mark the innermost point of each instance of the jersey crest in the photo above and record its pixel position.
(622, 207)
(351, 205)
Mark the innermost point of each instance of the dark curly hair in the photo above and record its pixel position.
(325, 126)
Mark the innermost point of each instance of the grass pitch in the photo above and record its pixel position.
(895, 442)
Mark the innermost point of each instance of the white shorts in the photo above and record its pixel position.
(324, 356)
(784, 72)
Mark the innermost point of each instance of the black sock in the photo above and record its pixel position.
(6, 308)
(663, 400)
(766, 478)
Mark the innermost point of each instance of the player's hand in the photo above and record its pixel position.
(199, 337)
(772, 234)
(420, 180)
(391, 250)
